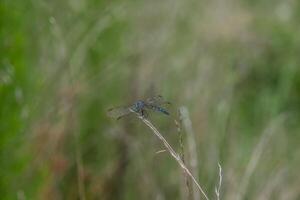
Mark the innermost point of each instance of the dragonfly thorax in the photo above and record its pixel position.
(138, 106)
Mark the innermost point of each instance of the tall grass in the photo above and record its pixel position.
(234, 65)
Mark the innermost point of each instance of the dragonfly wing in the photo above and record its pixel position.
(118, 112)
(157, 100)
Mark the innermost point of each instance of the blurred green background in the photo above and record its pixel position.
(233, 64)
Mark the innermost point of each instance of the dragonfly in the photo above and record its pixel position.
(140, 107)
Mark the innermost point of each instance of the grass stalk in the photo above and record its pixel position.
(217, 189)
(191, 144)
(189, 192)
(257, 154)
(173, 154)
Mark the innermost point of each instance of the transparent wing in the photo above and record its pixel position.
(157, 101)
(119, 112)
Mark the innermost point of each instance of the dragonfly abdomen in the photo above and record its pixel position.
(159, 109)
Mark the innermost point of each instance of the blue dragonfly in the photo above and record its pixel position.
(140, 107)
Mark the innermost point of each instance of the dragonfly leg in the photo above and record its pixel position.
(119, 118)
(144, 113)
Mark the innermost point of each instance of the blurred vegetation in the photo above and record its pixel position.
(234, 64)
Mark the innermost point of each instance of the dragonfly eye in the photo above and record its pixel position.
(139, 104)
(136, 107)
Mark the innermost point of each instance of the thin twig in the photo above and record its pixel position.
(217, 189)
(173, 153)
(161, 151)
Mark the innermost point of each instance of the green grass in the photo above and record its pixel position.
(63, 64)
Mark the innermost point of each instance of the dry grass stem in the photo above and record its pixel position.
(173, 154)
(217, 189)
(188, 193)
(191, 143)
(161, 151)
